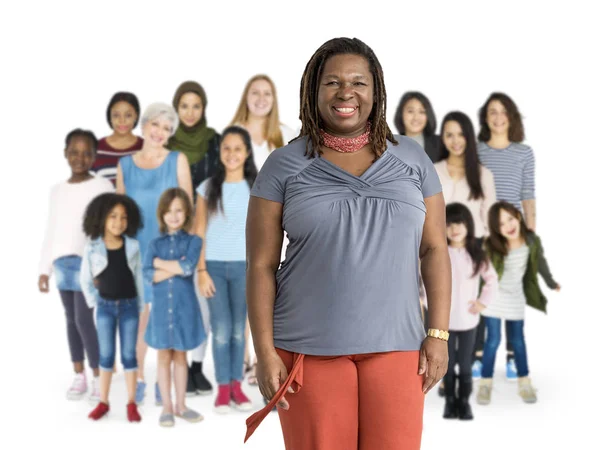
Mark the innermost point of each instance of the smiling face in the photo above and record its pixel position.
(497, 118)
(80, 155)
(116, 222)
(510, 227)
(456, 233)
(175, 216)
(122, 118)
(233, 152)
(414, 117)
(345, 97)
(453, 138)
(190, 109)
(260, 98)
(157, 131)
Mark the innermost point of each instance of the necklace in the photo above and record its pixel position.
(346, 145)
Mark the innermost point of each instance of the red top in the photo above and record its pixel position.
(107, 158)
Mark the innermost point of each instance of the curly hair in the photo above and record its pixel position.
(100, 207)
(309, 89)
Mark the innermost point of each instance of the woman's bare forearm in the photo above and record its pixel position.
(437, 279)
(260, 292)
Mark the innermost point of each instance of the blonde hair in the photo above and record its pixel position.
(272, 129)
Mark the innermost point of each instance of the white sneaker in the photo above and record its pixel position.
(95, 390)
(78, 387)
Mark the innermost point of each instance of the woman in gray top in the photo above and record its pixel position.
(341, 314)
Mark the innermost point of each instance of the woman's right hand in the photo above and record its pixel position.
(206, 285)
(271, 373)
(43, 283)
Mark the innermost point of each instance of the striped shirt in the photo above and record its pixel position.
(225, 238)
(510, 301)
(107, 158)
(513, 168)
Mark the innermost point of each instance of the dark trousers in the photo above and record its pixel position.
(81, 330)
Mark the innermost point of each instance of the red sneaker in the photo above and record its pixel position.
(99, 412)
(223, 399)
(240, 401)
(132, 413)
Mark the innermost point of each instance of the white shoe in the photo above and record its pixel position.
(95, 390)
(78, 387)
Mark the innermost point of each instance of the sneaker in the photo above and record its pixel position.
(526, 390)
(99, 411)
(140, 392)
(484, 394)
(476, 370)
(223, 399)
(132, 413)
(78, 387)
(240, 401)
(95, 390)
(157, 396)
(190, 415)
(511, 370)
(203, 386)
(190, 390)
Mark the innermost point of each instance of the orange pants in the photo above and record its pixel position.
(357, 402)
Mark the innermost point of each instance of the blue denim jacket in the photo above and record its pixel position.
(95, 260)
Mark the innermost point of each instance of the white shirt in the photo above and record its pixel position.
(262, 152)
(64, 230)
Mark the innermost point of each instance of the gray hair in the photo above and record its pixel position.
(163, 110)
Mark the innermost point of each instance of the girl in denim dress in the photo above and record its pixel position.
(175, 324)
(111, 280)
(61, 255)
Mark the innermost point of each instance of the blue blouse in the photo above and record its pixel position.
(175, 318)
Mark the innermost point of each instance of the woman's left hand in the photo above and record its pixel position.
(433, 361)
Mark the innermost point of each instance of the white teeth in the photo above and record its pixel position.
(345, 110)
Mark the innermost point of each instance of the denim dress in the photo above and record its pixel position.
(175, 318)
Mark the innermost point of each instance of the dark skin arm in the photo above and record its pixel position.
(264, 236)
(437, 278)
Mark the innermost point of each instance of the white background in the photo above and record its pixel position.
(62, 62)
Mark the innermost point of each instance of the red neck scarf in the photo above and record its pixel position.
(346, 145)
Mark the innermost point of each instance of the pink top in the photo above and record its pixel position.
(458, 192)
(465, 287)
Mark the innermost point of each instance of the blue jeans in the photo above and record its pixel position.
(514, 330)
(228, 318)
(125, 315)
(66, 273)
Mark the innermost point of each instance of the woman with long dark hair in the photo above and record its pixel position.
(220, 221)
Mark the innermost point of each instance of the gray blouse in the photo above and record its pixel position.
(349, 281)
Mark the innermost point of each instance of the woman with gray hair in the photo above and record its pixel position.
(144, 176)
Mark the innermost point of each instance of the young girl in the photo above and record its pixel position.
(415, 118)
(469, 264)
(221, 221)
(122, 115)
(175, 324)
(111, 280)
(62, 250)
(517, 256)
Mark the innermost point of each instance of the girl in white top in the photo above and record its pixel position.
(258, 112)
(464, 180)
(62, 251)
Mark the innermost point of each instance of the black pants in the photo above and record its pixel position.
(480, 341)
(460, 349)
(81, 330)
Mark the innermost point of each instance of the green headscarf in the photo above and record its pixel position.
(191, 141)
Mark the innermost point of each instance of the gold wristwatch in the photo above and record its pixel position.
(438, 334)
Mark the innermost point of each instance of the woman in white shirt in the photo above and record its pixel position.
(258, 112)
(464, 180)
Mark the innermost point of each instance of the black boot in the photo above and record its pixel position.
(450, 393)
(191, 385)
(465, 387)
(203, 386)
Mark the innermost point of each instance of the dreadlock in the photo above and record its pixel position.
(309, 88)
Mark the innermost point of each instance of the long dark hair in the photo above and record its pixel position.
(214, 191)
(496, 243)
(309, 89)
(472, 166)
(458, 213)
(516, 132)
(429, 129)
